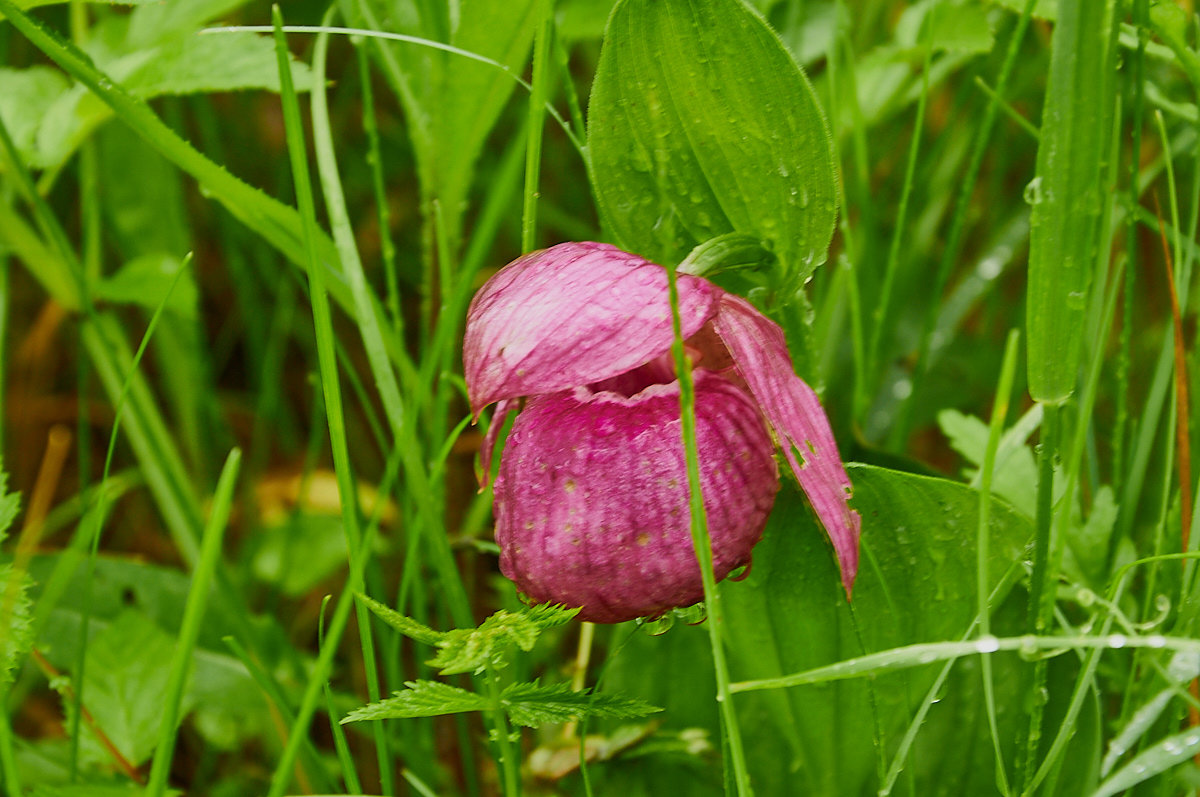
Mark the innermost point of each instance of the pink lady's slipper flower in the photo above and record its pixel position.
(592, 493)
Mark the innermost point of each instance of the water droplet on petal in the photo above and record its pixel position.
(656, 626)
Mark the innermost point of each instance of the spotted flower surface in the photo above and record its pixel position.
(592, 490)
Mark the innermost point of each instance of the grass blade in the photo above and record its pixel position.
(189, 632)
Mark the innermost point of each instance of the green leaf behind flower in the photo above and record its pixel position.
(701, 124)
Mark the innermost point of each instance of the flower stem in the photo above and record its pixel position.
(703, 547)
(509, 762)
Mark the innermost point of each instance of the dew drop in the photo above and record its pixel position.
(1033, 191)
(987, 644)
(1118, 641)
(656, 626)
(691, 615)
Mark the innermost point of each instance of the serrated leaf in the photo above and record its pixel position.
(123, 686)
(230, 707)
(405, 625)
(149, 281)
(15, 621)
(1015, 470)
(15, 605)
(533, 705)
(10, 505)
(421, 699)
(475, 649)
(550, 615)
(701, 124)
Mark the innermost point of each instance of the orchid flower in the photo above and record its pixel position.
(591, 498)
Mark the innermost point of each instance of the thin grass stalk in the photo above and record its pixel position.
(327, 362)
(345, 757)
(1125, 346)
(400, 419)
(189, 631)
(1041, 582)
(880, 314)
(702, 543)
(343, 235)
(275, 222)
(387, 246)
(1071, 467)
(983, 538)
(542, 42)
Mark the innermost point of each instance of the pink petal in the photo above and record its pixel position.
(570, 315)
(592, 496)
(488, 449)
(794, 411)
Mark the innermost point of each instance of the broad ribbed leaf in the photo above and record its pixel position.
(701, 124)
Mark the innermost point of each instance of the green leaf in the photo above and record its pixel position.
(1042, 9)
(1088, 544)
(27, 4)
(947, 26)
(701, 124)
(210, 63)
(152, 60)
(146, 281)
(475, 649)
(16, 609)
(1153, 761)
(1067, 195)
(533, 705)
(10, 505)
(229, 706)
(421, 699)
(449, 136)
(916, 583)
(405, 625)
(25, 97)
(1183, 667)
(1015, 468)
(16, 612)
(123, 686)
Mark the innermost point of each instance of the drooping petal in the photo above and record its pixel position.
(794, 411)
(570, 315)
(488, 448)
(592, 496)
